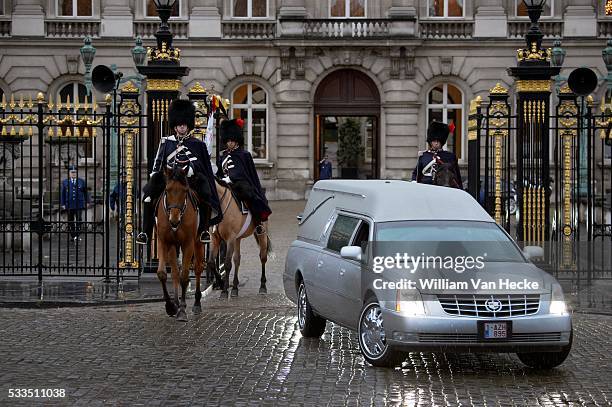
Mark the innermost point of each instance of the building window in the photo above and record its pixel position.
(75, 8)
(1, 7)
(250, 103)
(75, 91)
(250, 8)
(152, 10)
(347, 8)
(446, 8)
(521, 9)
(445, 104)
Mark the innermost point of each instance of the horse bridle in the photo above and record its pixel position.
(168, 208)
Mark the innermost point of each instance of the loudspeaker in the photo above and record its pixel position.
(104, 79)
(582, 81)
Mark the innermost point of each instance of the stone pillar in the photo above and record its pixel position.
(490, 19)
(403, 16)
(28, 18)
(204, 19)
(290, 12)
(117, 19)
(580, 19)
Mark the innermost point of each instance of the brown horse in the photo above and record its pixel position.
(446, 177)
(177, 227)
(234, 227)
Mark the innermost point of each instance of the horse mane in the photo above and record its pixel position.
(175, 174)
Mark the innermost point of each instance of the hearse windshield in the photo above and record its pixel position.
(448, 238)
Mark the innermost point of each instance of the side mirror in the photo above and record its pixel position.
(299, 217)
(533, 251)
(351, 253)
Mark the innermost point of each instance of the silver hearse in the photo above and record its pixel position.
(324, 276)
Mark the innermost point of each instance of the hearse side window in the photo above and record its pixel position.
(362, 236)
(341, 232)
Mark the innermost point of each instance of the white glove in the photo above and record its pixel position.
(190, 172)
(227, 180)
(147, 199)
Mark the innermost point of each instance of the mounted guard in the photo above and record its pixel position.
(189, 154)
(435, 165)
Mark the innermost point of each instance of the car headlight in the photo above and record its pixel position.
(557, 302)
(409, 303)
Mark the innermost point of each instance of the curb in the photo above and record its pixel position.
(76, 304)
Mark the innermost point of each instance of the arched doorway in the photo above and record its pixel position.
(347, 117)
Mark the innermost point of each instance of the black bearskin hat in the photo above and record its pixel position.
(231, 130)
(438, 131)
(181, 111)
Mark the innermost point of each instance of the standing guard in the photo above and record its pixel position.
(236, 167)
(189, 153)
(433, 159)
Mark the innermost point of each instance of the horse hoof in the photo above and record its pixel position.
(197, 309)
(263, 290)
(234, 292)
(171, 309)
(181, 316)
(223, 295)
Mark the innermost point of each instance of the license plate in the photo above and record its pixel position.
(495, 330)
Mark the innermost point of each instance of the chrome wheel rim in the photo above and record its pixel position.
(302, 300)
(372, 332)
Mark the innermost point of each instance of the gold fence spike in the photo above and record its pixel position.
(21, 102)
(4, 133)
(3, 104)
(30, 131)
(93, 132)
(108, 99)
(86, 133)
(50, 104)
(40, 97)
(68, 104)
(68, 132)
(12, 103)
(50, 133)
(86, 104)
(94, 104)
(13, 132)
(21, 131)
(77, 104)
(30, 102)
(59, 103)
(77, 131)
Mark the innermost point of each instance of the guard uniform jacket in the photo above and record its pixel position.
(238, 165)
(74, 195)
(194, 151)
(423, 172)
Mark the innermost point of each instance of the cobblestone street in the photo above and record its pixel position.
(250, 352)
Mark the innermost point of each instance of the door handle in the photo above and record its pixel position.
(342, 271)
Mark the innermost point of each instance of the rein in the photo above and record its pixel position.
(168, 208)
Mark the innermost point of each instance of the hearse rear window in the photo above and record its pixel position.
(341, 232)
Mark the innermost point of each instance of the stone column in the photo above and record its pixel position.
(204, 19)
(117, 19)
(28, 18)
(490, 19)
(403, 16)
(292, 10)
(579, 19)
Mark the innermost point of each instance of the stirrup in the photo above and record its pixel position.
(205, 237)
(142, 238)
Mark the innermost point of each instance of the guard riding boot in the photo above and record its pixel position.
(147, 223)
(203, 224)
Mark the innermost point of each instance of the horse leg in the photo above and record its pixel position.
(187, 257)
(172, 259)
(163, 277)
(211, 263)
(262, 240)
(227, 267)
(199, 267)
(236, 267)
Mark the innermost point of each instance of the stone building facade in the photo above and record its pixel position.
(298, 70)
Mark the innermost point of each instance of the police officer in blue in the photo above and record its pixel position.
(190, 154)
(325, 168)
(74, 199)
(435, 157)
(117, 198)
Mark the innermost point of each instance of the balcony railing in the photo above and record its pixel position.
(551, 29)
(5, 28)
(604, 28)
(349, 28)
(72, 28)
(446, 29)
(147, 28)
(251, 30)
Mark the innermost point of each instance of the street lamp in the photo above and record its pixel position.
(163, 34)
(139, 53)
(534, 10)
(88, 52)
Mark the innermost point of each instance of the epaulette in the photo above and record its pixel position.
(422, 152)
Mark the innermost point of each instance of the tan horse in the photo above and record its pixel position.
(232, 230)
(177, 227)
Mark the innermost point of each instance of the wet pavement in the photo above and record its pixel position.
(249, 351)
